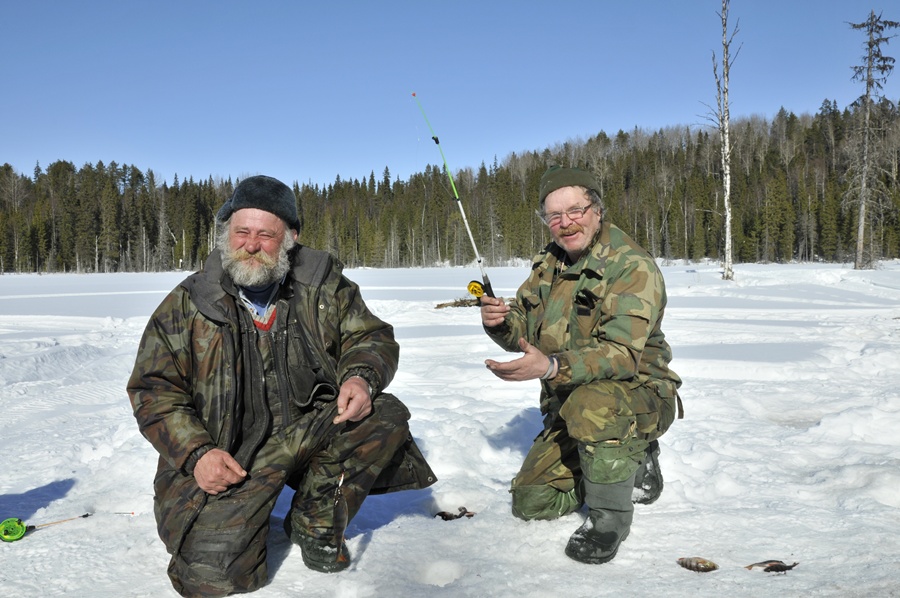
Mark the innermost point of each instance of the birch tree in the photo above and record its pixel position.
(722, 119)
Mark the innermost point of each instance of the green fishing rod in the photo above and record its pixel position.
(475, 288)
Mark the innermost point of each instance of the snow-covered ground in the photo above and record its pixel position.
(790, 448)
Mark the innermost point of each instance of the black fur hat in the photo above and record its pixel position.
(263, 193)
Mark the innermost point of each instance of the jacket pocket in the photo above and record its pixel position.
(658, 406)
(301, 371)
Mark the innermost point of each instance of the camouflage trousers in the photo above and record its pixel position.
(220, 548)
(600, 432)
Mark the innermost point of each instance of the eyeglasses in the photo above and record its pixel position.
(554, 218)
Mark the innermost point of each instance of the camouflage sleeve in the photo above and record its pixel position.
(630, 308)
(366, 341)
(159, 387)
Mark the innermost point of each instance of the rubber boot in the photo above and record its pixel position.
(648, 483)
(608, 522)
(317, 554)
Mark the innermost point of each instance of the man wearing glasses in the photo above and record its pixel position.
(588, 320)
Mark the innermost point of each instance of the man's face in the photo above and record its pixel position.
(573, 235)
(255, 247)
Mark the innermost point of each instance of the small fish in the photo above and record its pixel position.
(772, 566)
(341, 519)
(698, 564)
(463, 512)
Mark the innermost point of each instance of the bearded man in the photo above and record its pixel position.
(589, 321)
(263, 369)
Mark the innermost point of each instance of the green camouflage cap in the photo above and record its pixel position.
(557, 177)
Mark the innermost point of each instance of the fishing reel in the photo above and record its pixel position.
(12, 529)
(479, 289)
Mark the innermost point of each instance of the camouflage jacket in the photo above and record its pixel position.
(186, 385)
(601, 316)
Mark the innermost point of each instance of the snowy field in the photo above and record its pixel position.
(790, 449)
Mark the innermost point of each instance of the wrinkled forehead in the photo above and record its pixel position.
(564, 198)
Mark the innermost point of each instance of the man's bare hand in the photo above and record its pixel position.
(353, 401)
(216, 471)
(493, 311)
(533, 365)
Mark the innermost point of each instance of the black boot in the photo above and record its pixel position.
(648, 483)
(318, 555)
(321, 556)
(607, 525)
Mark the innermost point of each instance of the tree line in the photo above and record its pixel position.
(791, 193)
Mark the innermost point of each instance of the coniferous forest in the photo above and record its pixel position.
(793, 199)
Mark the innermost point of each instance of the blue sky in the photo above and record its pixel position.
(309, 90)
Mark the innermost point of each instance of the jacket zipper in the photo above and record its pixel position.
(280, 350)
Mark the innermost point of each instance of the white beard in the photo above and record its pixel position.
(255, 270)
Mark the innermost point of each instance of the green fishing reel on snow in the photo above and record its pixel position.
(12, 529)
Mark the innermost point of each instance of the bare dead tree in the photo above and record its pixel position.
(873, 72)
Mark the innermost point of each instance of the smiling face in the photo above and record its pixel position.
(255, 247)
(573, 236)
(256, 231)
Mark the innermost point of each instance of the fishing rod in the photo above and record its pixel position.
(477, 289)
(14, 528)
